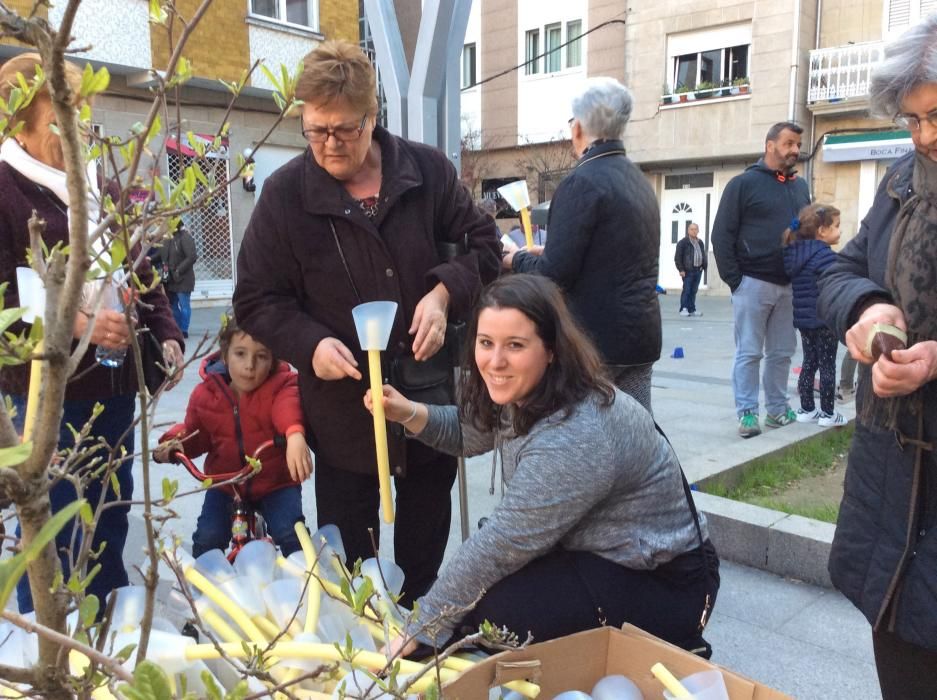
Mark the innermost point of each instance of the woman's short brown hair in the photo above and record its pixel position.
(338, 69)
(26, 64)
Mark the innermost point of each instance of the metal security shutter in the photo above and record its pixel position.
(209, 225)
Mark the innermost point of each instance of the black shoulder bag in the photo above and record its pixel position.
(428, 381)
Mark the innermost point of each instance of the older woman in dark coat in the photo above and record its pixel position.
(357, 218)
(884, 555)
(32, 179)
(604, 241)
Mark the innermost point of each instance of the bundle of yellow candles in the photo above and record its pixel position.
(294, 646)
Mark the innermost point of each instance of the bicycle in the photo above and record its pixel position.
(246, 523)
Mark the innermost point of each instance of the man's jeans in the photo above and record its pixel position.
(764, 326)
(281, 510)
(181, 303)
(691, 282)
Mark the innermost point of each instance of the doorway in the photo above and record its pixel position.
(686, 199)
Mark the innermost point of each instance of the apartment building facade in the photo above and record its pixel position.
(854, 148)
(231, 36)
(709, 79)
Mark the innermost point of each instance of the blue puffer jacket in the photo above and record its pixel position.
(803, 262)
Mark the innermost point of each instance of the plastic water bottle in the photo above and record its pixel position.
(111, 357)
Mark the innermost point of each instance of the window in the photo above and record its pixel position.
(468, 66)
(554, 57)
(531, 51)
(901, 14)
(714, 56)
(304, 13)
(574, 48)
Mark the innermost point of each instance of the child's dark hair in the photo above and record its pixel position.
(808, 223)
(230, 328)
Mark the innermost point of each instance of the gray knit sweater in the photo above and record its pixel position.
(603, 480)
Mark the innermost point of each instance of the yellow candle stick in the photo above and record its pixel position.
(216, 622)
(380, 435)
(35, 384)
(669, 681)
(226, 604)
(525, 222)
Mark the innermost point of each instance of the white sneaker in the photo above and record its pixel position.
(696, 313)
(684, 312)
(808, 416)
(836, 420)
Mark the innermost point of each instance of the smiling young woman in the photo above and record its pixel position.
(596, 525)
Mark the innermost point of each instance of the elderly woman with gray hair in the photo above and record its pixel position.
(604, 242)
(884, 554)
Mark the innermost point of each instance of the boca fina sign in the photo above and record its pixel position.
(881, 145)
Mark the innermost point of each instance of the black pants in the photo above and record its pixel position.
(819, 353)
(565, 592)
(423, 510)
(905, 671)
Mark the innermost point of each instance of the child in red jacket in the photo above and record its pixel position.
(246, 398)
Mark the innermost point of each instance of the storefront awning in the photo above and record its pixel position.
(879, 145)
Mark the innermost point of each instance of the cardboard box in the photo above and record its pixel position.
(576, 662)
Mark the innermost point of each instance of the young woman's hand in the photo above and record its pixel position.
(399, 409)
(298, 459)
(399, 647)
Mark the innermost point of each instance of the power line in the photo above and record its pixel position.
(545, 53)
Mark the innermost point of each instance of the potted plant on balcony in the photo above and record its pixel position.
(667, 95)
(725, 88)
(704, 90)
(741, 84)
(682, 92)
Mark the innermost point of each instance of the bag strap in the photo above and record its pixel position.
(704, 618)
(341, 254)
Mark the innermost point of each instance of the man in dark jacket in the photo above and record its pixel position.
(179, 256)
(690, 259)
(755, 209)
(604, 241)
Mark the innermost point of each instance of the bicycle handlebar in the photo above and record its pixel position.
(180, 457)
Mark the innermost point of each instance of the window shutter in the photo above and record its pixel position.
(899, 14)
(928, 7)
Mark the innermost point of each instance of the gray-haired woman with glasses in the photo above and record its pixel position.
(358, 218)
(884, 554)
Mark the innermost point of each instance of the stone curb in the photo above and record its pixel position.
(784, 544)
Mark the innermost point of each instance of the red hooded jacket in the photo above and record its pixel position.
(271, 409)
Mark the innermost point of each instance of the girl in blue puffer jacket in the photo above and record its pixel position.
(807, 253)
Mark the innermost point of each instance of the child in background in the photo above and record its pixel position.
(246, 397)
(807, 253)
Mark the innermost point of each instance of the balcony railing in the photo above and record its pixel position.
(841, 74)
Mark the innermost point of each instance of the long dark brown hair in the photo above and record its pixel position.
(575, 372)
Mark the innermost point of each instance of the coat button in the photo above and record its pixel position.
(402, 345)
(347, 212)
(389, 272)
(398, 470)
(922, 532)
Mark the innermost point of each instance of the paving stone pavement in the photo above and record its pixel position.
(802, 639)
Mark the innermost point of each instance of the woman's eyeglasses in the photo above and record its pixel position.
(320, 134)
(912, 122)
